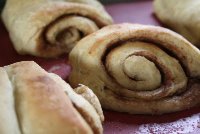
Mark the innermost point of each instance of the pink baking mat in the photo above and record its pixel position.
(187, 121)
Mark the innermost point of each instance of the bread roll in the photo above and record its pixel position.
(138, 69)
(49, 28)
(181, 16)
(34, 101)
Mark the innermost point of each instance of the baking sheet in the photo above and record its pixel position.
(187, 121)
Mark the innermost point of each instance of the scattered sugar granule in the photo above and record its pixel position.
(181, 126)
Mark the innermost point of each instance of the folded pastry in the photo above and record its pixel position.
(138, 69)
(49, 28)
(33, 101)
(182, 16)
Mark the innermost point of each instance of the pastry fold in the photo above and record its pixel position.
(49, 28)
(34, 101)
(138, 69)
(180, 15)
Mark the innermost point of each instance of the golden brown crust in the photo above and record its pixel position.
(138, 69)
(42, 105)
(49, 28)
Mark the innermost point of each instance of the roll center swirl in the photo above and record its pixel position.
(144, 71)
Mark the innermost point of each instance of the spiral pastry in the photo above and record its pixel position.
(138, 69)
(180, 16)
(49, 28)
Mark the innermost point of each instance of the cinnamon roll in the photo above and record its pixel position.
(33, 101)
(138, 69)
(49, 28)
(181, 16)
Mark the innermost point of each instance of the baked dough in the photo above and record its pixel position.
(34, 101)
(138, 69)
(182, 16)
(49, 28)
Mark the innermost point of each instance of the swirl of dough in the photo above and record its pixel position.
(138, 69)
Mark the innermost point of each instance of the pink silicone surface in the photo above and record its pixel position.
(187, 121)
